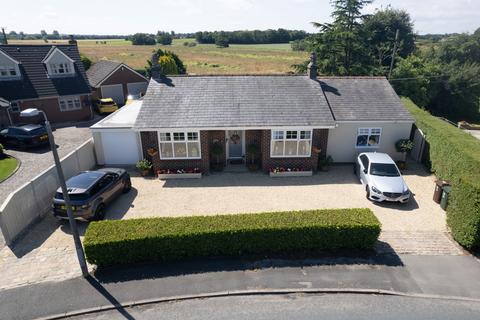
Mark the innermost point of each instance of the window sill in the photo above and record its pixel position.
(367, 147)
(289, 157)
(198, 158)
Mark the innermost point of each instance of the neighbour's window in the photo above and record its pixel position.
(291, 143)
(179, 145)
(14, 107)
(7, 72)
(70, 103)
(368, 137)
(60, 68)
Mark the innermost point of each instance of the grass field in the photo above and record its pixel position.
(7, 166)
(201, 59)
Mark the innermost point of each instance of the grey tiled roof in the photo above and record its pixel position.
(233, 101)
(35, 81)
(363, 99)
(100, 70)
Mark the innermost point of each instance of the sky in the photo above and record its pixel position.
(128, 17)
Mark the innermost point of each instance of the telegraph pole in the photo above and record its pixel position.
(5, 41)
(395, 46)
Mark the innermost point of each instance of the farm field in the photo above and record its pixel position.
(201, 59)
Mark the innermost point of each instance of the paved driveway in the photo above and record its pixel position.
(419, 227)
(34, 161)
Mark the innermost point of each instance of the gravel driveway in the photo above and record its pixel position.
(34, 161)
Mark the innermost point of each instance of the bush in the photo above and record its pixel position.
(115, 242)
(142, 39)
(455, 156)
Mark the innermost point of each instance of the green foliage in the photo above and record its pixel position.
(404, 145)
(253, 150)
(2, 150)
(221, 40)
(167, 65)
(455, 156)
(116, 242)
(142, 39)
(381, 28)
(87, 63)
(300, 45)
(325, 161)
(251, 37)
(164, 38)
(180, 67)
(144, 165)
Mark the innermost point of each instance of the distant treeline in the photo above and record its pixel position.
(55, 35)
(251, 37)
(436, 37)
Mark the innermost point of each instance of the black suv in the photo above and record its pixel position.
(29, 135)
(90, 192)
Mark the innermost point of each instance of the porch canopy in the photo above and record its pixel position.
(246, 102)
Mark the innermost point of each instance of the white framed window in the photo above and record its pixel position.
(14, 107)
(291, 143)
(7, 72)
(368, 137)
(179, 145)
(70, 103)
(59, 69)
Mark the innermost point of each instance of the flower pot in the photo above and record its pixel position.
(253, 167)
(152, 152)
(144, 173)
(291, 174)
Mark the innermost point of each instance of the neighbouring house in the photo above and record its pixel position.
(110, 79)
(48, 77)
(292, 119)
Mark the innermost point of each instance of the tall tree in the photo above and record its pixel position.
(340, 44)
(381, 28)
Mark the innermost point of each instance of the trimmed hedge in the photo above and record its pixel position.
(455, 156)
(117, 242)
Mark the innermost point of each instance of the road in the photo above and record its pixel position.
(425, 275)
(299, 306)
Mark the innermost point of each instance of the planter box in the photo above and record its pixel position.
(291, 174)
(166, 176)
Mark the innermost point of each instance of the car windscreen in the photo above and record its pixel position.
(384, 170)
(84, 180)
(37, 132)
(74, 197)
(106, 103)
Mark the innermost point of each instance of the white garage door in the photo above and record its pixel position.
(136, 88)
(120, 147)
(114, 91)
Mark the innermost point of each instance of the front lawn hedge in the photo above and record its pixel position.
(454, 155)
(117, 242)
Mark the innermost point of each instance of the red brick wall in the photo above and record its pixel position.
(253, 137)
(52, 109)
(319, 140)
(123, 76)
(150, 140)
(217, 136)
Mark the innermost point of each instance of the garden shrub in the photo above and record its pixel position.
(132, 241)
(454, 155)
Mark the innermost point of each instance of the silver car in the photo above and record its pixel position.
(381, 177)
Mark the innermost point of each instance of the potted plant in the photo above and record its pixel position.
(2, 153)
(144, 166)
(324, 163)
(252, 152)
(217, 152)
(404, 146)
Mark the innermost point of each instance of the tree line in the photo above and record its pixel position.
(55, 35)
(442, 77)
(250, 36)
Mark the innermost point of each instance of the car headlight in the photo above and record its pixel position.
(85, 206)
(406, 192)
(376, 190)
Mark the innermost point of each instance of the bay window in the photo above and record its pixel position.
(179, 145)
(70, 103)
(368, 137)
(291, 143)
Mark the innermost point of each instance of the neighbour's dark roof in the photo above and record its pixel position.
(100, 70)
(234, 101)
(363, 99)
(35, 82)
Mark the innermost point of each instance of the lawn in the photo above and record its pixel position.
(7, 166)
(201, 59)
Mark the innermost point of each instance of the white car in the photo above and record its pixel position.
(381, 177)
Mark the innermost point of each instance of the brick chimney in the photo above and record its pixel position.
(72, 40)
(156, 70)
(312, 66)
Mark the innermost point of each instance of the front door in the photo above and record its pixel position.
(235, 144)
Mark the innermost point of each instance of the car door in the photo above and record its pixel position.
(363, 172)
(111, 186)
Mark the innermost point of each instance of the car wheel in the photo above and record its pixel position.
(127, 186)
(368, 192)
(99, 213)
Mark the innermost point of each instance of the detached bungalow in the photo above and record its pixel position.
(292, 119)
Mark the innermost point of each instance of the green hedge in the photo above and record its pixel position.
(454, 155)
(117, 242)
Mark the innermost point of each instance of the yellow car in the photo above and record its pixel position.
(106, 105)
